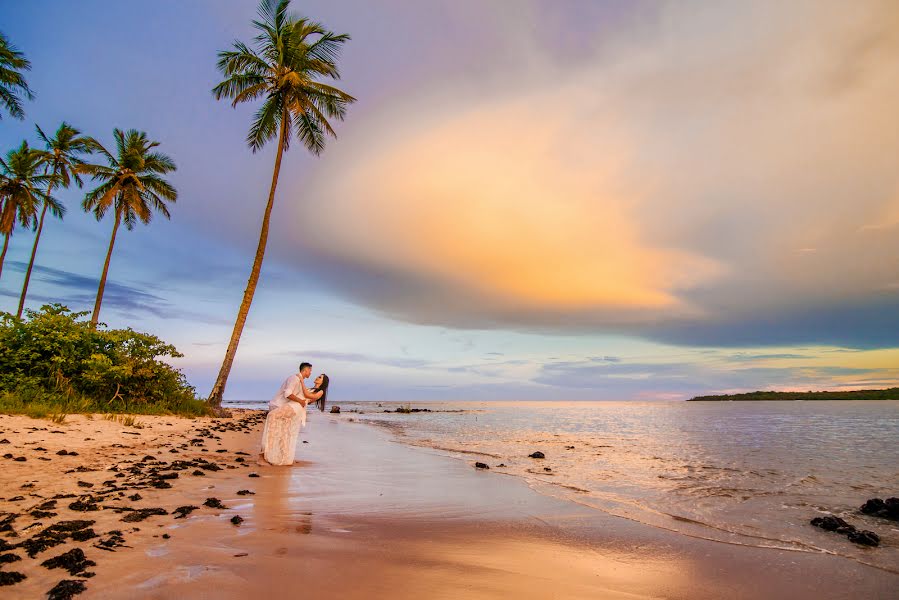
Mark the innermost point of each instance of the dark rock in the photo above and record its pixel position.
(335, 410)
(239, 459)
(198, 473)
(160, 484)
(20, 459)
(84, 535)
(42, 514)
(84, 505)
(135, 497)
(143, 513)
(480, 465)
(214, 503)
(9, 558)
(66, 589)
(501, 465)
(10, 577)
(114, 539)
(253, 475)
(183, 511)
(830, 523)
(537, 454)
(547, 469)
(864, 538)
(236, 520)
(62, 453)
(4, 441)
(246, 493)
(85, 484)
(74, 561)
(48, 505)
(885, 509)
(165, 536)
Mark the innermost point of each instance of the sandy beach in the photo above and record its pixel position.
(359, 516)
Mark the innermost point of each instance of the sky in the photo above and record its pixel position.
(588, 199)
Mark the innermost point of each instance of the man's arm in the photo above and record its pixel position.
(295, 398)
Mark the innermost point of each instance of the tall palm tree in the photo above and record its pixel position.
(131, 186)
(291, 55)
(64, 164)
(12, 82)
(22, 191)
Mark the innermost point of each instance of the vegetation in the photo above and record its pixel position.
(291, 55)
(21, 192)
(55, 362)
(132, 187)
(12, 81)
(887, 394)
(63, 162)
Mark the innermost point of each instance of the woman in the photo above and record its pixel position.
(321, 385)
(287, 414)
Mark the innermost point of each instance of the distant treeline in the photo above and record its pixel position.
(887, 394)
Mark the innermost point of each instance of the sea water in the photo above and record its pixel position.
(749, 473)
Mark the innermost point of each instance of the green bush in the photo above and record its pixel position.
(54, 360)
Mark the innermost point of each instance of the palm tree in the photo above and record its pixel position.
(64, 164)
(131, 186)
(291, 54)
(12, 82)
(21, 191)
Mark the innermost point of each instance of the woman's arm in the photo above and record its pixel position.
(313, 394)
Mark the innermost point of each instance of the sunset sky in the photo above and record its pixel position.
(530, 200)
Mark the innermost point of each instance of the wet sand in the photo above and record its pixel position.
(361, 516)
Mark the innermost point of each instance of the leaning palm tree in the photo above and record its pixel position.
(22, 191)
(131, 186)
(64, 164)
(284, 69)
(12, 82)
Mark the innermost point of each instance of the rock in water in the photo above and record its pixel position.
(830, 523)
(236, 520)
(480, 465)
(864, 537)
(886, 509)
(214, 503)
(537, 454)
(335, 409)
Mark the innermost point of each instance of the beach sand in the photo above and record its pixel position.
(361, 516)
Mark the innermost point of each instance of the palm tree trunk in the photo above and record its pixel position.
(218, 390)
(3, 256)
(96, 316)
(37, 238)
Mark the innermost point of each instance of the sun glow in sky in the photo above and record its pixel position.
(579, 200)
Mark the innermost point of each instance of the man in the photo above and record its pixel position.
(292, 390)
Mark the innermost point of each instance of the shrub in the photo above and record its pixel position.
(54, 357)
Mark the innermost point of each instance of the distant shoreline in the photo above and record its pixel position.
(887, 394)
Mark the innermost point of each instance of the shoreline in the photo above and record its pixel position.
(363, 515)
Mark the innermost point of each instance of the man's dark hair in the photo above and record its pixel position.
(304, 365)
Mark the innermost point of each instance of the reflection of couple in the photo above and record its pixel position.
(287, 413)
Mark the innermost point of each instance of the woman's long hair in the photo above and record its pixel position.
(323, 388)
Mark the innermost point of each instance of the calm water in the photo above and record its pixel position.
(751, 473)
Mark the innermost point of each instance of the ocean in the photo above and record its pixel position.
(748, 473)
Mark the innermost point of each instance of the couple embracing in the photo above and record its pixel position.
(287, 413)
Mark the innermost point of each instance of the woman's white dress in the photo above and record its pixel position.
(283, 423)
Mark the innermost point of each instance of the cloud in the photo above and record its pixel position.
(649, 380)
(79, 292)
(667, 184)
(355, 357)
